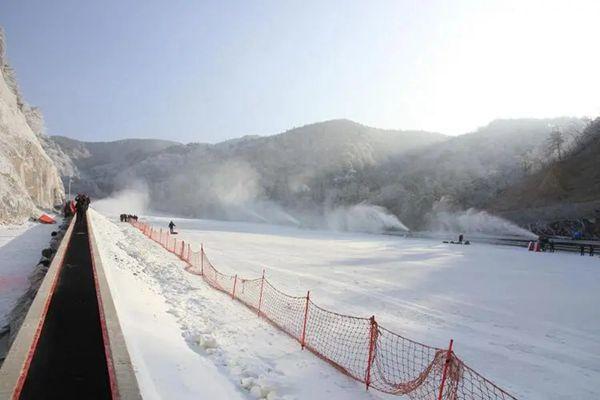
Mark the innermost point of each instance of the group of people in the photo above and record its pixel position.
(82, 202)
(128, 217)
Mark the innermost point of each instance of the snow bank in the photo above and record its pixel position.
(20, 250)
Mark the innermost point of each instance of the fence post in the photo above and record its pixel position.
(262, 283)
(189, 253)
(202, 259)
(175, 246)
(445, 371)
(182, 247)
(234, 284)
(303, 338)
(372, 340)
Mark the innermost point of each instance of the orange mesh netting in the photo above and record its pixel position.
(358, 347)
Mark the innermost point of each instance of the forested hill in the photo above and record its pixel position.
(568, 187)
(95, 167)
(260, 167)
(306, 171)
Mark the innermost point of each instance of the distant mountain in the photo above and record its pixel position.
(301, 173)
(95, 166)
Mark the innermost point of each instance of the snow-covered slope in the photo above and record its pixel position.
(28, 178)
(188, 341)
(527, 321)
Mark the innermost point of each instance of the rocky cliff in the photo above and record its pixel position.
(29, 180)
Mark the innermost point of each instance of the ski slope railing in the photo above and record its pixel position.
(358, 347)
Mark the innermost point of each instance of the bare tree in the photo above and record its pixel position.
(555, 144)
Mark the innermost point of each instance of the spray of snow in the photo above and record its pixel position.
(238, 192)
(134, 200)
(446, 219)
(363, 217)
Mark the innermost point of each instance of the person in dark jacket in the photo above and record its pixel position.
(171, 226)
(81, 206)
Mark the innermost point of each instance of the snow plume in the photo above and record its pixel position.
(133, 200)
(444, 217)
(363, 217)
(236, 186)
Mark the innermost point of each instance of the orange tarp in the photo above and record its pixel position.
(46, 219)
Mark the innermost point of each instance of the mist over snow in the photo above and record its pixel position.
(363, 218)
(335, 174)
(134, 200)
(445, 218)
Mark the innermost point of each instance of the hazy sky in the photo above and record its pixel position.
(207, 71)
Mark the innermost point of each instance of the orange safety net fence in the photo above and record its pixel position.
(358, 347)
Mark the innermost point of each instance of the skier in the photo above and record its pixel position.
(171, 227)
(591, 250)
(460, 238)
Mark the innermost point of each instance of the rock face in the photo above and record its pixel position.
(29, 180)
